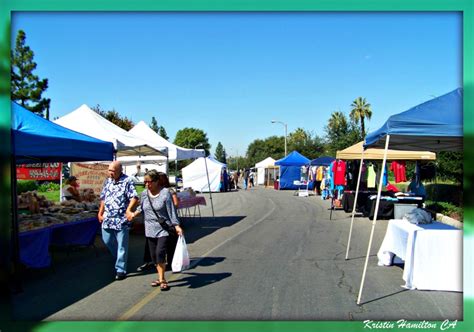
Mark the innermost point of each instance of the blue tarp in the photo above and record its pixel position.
(38, 140)
(290, 169)
(322, 161)
(435, 125)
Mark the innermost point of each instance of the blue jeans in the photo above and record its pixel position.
(117, 242)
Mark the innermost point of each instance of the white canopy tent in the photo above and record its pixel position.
(261, 166)
(195, 177)
(86, 121)
(143, 131)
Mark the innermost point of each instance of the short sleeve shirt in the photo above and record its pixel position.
(163, 205)
(117, 196)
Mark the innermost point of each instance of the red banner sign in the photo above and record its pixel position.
(40, 171)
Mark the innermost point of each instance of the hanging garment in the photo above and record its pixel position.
(319, 173)
(399, 171)
(371, 176)
(339, 170)
(385, 176)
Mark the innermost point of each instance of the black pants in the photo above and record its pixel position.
(171, 246)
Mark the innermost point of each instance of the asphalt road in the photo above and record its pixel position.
(267, 255)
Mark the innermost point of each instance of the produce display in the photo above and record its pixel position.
(36, 212)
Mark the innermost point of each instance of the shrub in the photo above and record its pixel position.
(48, 186)
(446, 209)
(26, 185)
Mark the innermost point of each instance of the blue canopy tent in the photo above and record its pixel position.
(36, 140)
(290, 169)
(435, 125)
(322, 161)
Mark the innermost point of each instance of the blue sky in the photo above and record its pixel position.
(230, 74)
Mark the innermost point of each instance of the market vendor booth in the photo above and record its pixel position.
(37, 140)
(436, 125)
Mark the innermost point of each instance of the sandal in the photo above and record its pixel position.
(164, 285)
(155, 283)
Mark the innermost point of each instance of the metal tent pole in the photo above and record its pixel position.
(379, 193)
(355, 204)
(209, 186)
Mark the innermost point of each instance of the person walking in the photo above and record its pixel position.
(161, 220)
(117, 200)
(171, 245)
(245, 175)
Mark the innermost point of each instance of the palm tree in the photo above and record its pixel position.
(337, 122)
(360, 111)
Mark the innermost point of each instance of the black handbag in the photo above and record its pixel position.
(170, 229)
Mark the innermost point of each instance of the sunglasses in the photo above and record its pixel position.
(147, 181)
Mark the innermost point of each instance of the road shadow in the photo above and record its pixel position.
(75, 274)
(198, 280)
(196, 228)
(383, 297)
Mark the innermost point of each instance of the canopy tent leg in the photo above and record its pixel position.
(355, 204)
(209, 186)
(376, 212)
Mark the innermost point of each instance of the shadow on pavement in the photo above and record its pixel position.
(197, 280)
(74, 275)
(383, 297)
(196, 228)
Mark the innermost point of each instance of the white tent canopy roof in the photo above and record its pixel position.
(142, 130)
(86, 121)
(194, 175)
(265, 163)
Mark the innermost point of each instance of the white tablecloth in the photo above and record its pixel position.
(432, 254)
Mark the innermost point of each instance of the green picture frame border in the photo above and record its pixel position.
(466, 7)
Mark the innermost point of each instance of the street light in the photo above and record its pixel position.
(284, 124)
(208, 182)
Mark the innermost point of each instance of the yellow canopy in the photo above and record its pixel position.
(355, 152)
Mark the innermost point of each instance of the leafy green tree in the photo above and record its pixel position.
(162, 133)
(154, 124)
(114, 117)
(220, 153)
(340, 133)
(361, 110)
(192, 137)
(259, 149)
(450, 166)
(26, 88)
(306, 143)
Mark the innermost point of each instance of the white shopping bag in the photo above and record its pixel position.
(181, 256)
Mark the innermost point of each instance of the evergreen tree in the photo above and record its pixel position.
(27, 88)
(162, 133)
(220, 153)
(154, 124)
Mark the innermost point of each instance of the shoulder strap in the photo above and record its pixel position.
(162, 222)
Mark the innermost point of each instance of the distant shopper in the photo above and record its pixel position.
(416, 187)
(117, 200)
(235, 177)
(245, 176)
(70, 191)
(161, 220)
(251, 178)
